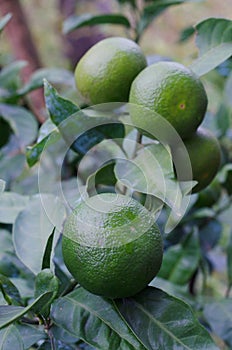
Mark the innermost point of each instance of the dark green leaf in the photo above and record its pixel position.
(9, 291)
(10, 314)
(4, 20)
(214, 40)
(33, 153)
(75, 22)
(10, 338)
(95, 320)
(40, 216)
(161, 321)
(80, 129)
(186, 34)
(22, 123)
(58, 107)
(181, 260)
(48, 251)
(219, 316)
(11, 204)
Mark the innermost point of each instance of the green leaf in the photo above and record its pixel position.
(34, 152)
(30, 334)
(22, 122)
(219, 316)
(2, 185)
(181, 260)
(95, 320)
(46, 281)
(75, 22)
(151, 172)
(48, 251)
(102, 171)
(151, 11)
(9, 76)
(9, 291)
(4, 20)
(161, 321)
(214, 40)
(81, 129)
(11, 204)
(10, 338)
(10, 314)
(228, 87)
(58, 107)
(34, 225)
(55, 75)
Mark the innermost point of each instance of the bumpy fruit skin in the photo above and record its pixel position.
(205, 157)
(174, 92)
(105, 73)
(113, 252)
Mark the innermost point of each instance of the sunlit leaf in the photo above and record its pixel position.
(214, 40)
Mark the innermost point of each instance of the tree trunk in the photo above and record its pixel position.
(23, 48)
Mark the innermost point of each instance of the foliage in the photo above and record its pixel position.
(41, 306)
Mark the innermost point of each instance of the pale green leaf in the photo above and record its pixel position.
(2, 185)
(34, 225)
(219, 316)
(11, 204)
(10, 338)
(214, 40)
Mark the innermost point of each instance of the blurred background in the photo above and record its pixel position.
(45, 19)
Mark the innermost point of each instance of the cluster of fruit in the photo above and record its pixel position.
(110, 242)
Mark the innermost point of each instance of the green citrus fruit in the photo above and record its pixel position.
(205, 157)
(174, 92)
(106, 71)
(210, 195)
(112, 246)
